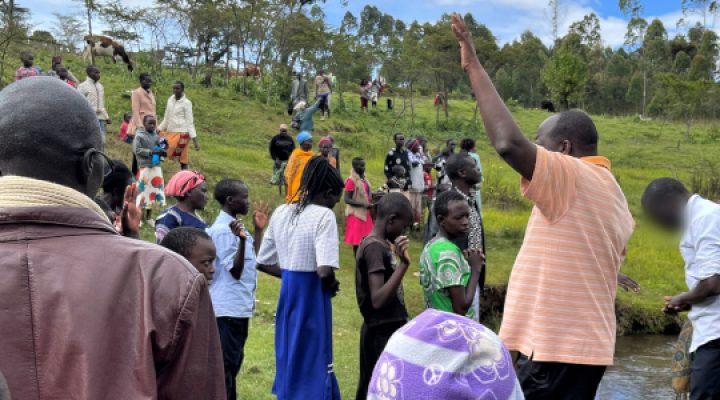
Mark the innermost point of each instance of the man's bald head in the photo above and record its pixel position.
(46, 128)
(571, 132)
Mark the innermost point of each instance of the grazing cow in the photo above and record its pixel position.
(103, 46)
(547, 105)
(250, 70)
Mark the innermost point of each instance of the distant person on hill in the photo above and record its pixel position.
(142, 101)
(580, 227)
(365, 86)
(57, 60)
(358, 200)
(195, 246)
(397, 156)
(443, 356)
(28, 69)
(669, 203)
(323, 89)
(303, 119)
(441, 159)
(449, 275)
(281, 147)
(381, 264)
(429, 192)
(417, 181)
(94, 92)
(64, 75)
(178, 126)
(87, 314)
(468, 146)
(149, 154)
(123, 134)
(235, 280)
(374, 93)
(296, 166)
(299, 92)
(325, 145)
(190, 190)
(301, 245)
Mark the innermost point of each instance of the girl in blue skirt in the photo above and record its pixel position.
(301, 247)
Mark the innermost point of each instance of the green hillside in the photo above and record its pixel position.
(234, 132)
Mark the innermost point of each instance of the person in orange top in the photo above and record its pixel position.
(560, 306)
(296, 166)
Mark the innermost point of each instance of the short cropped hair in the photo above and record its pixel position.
(182, 85)
(90, 68)
(118, 178)
(577, 127)
(182, 240)
(467, 144)
(443, 201)
(396, 134)
(661, 189)
(143, 76)
(226, 188)
(457, 162)
(394, 203)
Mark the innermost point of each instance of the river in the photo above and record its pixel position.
(641, 370)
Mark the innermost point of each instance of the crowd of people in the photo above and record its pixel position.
(90, 311)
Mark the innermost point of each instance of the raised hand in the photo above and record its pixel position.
(674, 305)
(402, 243)
(238, 229)
(261, 215)
(464, 38)
(131, 215)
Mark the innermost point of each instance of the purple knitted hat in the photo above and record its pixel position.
(442, 356)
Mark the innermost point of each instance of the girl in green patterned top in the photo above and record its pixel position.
(449, 276)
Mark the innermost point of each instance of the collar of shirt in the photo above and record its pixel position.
(599, 161)
(691, 209)
(224, 219)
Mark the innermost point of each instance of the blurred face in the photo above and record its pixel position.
(127, 117)
(306, 145)
(202, 257)
(451, 146)
(198, 197)
(62, 72)
(178, 90)
(457, 222)
(94, 74)
(28, 60)
(146, 83)
(470, 174)
(239, 202)
(359, 167)
(667, 213)
(150, 124)
(325, 149)
(398, 225)
(399, 141)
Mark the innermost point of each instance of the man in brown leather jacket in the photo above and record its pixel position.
(85, 313)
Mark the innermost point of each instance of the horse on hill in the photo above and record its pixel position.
(103, 46)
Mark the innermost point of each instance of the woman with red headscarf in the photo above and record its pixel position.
(190, 190)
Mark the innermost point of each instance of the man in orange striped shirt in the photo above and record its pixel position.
(559, 311)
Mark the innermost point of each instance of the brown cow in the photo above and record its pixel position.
(103, 46)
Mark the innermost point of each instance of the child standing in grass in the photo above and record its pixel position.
(123, 135)
(190, 190)
(378, 282)
(357, 213)
(196, 246)
(449, 276)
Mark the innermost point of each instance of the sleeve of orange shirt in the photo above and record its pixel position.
(552, 188)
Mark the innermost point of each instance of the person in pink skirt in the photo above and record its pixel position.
(357, 212)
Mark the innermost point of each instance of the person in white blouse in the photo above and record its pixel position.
(669, 203)
(302, 246)
(178, 126)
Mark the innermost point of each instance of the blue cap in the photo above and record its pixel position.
(304, 136)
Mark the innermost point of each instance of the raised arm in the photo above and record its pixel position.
(504, 133)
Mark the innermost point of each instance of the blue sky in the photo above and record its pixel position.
(506, 18)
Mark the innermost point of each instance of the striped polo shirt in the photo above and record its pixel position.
(560, 305)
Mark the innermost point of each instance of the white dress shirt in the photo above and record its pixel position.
(700, 248)
(178, 117)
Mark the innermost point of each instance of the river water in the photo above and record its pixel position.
(641, 370)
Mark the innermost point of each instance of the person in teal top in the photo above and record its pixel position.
(448, 275)
(303, 120)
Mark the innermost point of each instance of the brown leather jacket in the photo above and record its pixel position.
(87, 314)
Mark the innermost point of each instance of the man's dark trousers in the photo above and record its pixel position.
(705, 372)
(233, 334)
(558, 381)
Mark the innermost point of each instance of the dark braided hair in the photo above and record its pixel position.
(318, 177)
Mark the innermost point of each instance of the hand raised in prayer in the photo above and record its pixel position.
(238, 229)
(130, 217)
(261, 215)
(674, 305)
(627, 283)
(464, 38)
(476, 258)
(402, 243)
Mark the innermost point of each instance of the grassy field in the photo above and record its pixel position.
(234, 131)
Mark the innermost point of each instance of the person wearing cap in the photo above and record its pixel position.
(325, 145)
(190, 190)
(443, 356)
(296, 165)
(281, 147)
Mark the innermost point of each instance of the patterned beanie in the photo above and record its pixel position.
(443, 356)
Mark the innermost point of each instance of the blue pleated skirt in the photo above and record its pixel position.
(303, 340)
